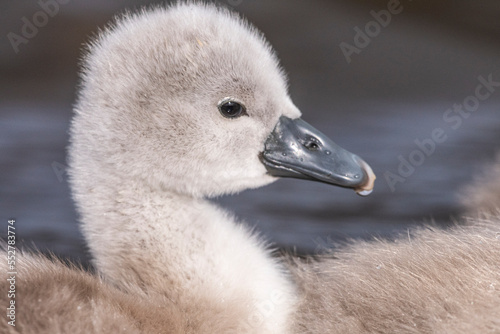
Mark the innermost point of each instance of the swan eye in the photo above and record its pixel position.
(231, 109)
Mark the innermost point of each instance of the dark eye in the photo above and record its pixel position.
(231, 109)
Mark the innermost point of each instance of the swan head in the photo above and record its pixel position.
(191, 98)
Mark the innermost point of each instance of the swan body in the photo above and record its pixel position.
(429, 281)
(184, 103)
(433, 281)
(52, 297)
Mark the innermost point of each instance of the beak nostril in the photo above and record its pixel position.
(312, 146)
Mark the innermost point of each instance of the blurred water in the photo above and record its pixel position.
(393, 93)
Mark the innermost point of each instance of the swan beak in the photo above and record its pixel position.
(296, 149)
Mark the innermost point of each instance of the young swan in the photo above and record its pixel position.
(177, 105)
(158, 127)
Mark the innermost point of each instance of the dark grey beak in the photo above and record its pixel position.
(296, 149)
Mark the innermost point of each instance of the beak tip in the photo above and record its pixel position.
(367, 188)
(364, 192)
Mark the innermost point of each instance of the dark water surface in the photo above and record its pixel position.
(394, 92)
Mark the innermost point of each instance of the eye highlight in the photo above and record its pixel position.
(230, 108)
